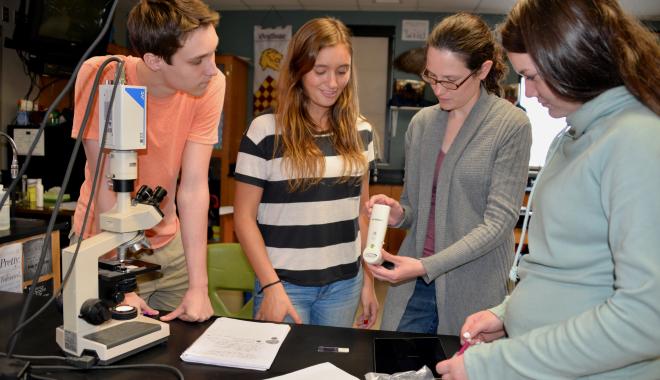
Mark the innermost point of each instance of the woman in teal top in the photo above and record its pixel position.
(588, 301)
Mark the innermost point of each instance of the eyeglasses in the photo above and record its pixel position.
(426, 77)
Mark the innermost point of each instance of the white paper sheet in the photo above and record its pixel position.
(323, 371)
(236, 343)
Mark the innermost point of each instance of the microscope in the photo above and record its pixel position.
(94, 321)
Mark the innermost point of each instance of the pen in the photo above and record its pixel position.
(343, 350)
(463, 348)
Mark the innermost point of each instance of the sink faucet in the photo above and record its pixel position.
(14, 161)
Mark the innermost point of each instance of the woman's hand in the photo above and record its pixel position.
(452, 369)
(404, 268)
(396, 211)
(369, 306)
(276, 305)
(482, 326)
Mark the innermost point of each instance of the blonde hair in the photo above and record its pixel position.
(303, 160)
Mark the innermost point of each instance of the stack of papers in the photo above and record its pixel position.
(236, 343)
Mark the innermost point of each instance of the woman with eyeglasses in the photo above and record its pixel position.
(587, 304)
(466, 168)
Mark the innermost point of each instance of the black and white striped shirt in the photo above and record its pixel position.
(311, 236)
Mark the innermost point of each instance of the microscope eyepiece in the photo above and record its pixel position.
(159, 195)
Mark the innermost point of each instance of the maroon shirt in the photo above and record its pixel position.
(429, 242)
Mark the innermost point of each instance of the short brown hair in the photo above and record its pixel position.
(161, 27)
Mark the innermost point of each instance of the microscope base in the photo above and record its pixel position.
(114, 340)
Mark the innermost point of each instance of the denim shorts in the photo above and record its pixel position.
(334, 304)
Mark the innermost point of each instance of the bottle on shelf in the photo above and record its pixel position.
(39, 187)
(32, 192)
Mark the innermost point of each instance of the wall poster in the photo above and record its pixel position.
(270, 46)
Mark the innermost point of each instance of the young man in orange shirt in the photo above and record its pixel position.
(176, 43)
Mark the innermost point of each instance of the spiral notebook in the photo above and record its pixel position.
(237, 343)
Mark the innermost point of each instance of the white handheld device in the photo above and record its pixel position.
(377, 228)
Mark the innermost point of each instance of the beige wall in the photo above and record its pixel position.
(371, 60)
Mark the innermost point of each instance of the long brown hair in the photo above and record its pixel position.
(468, 36)
(302, 158)
(160, 27)
(582, 48)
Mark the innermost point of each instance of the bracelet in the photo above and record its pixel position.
(269, 285)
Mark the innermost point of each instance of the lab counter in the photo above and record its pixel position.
(24, 227)
(298, 351)
(386, 177)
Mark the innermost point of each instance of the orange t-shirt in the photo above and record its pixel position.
(171, 122)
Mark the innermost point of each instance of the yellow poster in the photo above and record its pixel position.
(270, 46)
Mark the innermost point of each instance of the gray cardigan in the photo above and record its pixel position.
(479, 193)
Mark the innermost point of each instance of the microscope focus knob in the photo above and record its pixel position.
(94, 311)
(117, 298)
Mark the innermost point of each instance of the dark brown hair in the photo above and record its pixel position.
(582, 48)
(470, 37)
(161, 27)
(302, 157)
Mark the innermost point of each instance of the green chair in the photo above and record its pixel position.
(229, 269)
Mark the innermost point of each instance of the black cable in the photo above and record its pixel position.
(166, 367)
(21, 324)
(33, 84)
(22, 56)
(35, 357)
(45, 86)
(14, 335)
(38, 377)
(109, 367)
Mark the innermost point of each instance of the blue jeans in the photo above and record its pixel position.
(421, 315)
(334, 304)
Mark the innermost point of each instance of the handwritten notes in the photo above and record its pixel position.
(237, 343)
